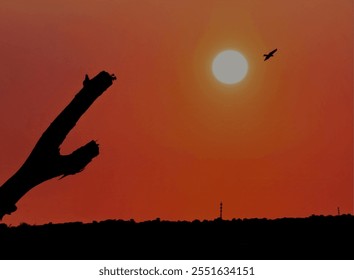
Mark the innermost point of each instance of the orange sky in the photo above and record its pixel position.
(174, 142)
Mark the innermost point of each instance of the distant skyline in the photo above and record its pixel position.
(174, 141)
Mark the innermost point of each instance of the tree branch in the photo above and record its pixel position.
(45, 161)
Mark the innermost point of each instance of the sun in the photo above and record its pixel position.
(230, 67)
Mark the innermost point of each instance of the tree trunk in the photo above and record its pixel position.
(45, 161)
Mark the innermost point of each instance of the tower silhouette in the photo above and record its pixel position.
(220, 210)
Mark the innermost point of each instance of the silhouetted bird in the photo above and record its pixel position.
(269, 55)
(86, 81)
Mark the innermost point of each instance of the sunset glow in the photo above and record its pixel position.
(175, 141)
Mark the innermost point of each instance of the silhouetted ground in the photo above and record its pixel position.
(315, 237)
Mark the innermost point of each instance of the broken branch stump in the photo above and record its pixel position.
(45, 161)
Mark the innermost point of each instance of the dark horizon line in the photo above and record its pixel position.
(157, 219)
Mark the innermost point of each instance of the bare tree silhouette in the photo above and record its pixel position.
(45, 161)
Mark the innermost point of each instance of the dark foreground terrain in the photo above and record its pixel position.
(315, 237)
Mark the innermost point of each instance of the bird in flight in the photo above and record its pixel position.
(269, 55)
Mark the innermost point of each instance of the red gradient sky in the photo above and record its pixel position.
(174, 142)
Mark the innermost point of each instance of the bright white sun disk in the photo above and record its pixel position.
(230, 67)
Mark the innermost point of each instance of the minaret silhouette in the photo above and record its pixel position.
(221, 210)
